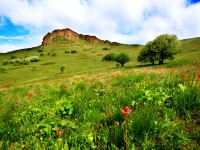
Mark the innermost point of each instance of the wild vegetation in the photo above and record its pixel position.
(91, 115)
(75, 100)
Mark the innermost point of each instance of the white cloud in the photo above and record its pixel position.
(127, 21)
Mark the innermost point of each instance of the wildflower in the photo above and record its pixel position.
(198, 76)
(116, 123)
(30, 95)
(59, 140)
(59, 132)
(187, 71)
(126, 111)
(187, 79)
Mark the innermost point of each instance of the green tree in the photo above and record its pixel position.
(122, 59)
(161, 48)
(147, 54)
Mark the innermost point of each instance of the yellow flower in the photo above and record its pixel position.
(59, 140)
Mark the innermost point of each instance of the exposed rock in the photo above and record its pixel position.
(69, 35)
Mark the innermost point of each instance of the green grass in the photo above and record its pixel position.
(87, 59)
(85, 100)
(86, 113)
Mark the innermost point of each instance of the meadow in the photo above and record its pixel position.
(95, 105)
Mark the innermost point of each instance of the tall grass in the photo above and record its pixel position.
(88, 115)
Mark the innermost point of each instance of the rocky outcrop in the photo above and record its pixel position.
(71, 35)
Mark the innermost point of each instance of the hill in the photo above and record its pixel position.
(81, 54)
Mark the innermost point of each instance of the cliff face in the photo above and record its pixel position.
(70, 35)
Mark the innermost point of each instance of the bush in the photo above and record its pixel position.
(6, 62)
(105, 48)
(62, 68)
(40, 50)
(73, 51)
(66, 52)
(24, 62)
(3, 69)
(109, 57)
(122, 59)
(41, 54)
(54, 54)
(13, 56)
(15, 61)
(33, 58)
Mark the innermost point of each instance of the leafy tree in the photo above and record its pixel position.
(122, 59)
(147, 54)
(161, 48)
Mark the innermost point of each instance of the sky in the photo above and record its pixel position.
(23, 23)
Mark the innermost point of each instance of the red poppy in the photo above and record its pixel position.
(59, 132)
(198, 77)
(187, 71)
(30, 95)
(187, 79)
(126, 111)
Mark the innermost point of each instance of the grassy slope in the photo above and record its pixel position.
(88, 59)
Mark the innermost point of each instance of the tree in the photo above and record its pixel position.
(122, 59)
(147, 54)
(161, 48)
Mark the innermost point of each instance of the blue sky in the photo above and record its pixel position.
(23, 23)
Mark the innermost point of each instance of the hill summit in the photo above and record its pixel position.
(71, 35)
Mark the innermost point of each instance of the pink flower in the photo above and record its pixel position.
(126, 111)
(59, 132)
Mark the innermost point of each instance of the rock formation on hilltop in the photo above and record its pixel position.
(71, 35)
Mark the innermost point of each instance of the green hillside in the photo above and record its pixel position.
(94, 104)
(87, 59)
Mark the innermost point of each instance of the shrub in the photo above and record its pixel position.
(24, 62)
(6, 62)
(42, 54)
(73, 51)
(13, 56)
(3, 69)
(62, 68)
(109, 57)
(40, 50)
(16, 61)
(54, 54)
(67, 51)
(48, 54)
(105, 48)
(122, 59)
(33, 58)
